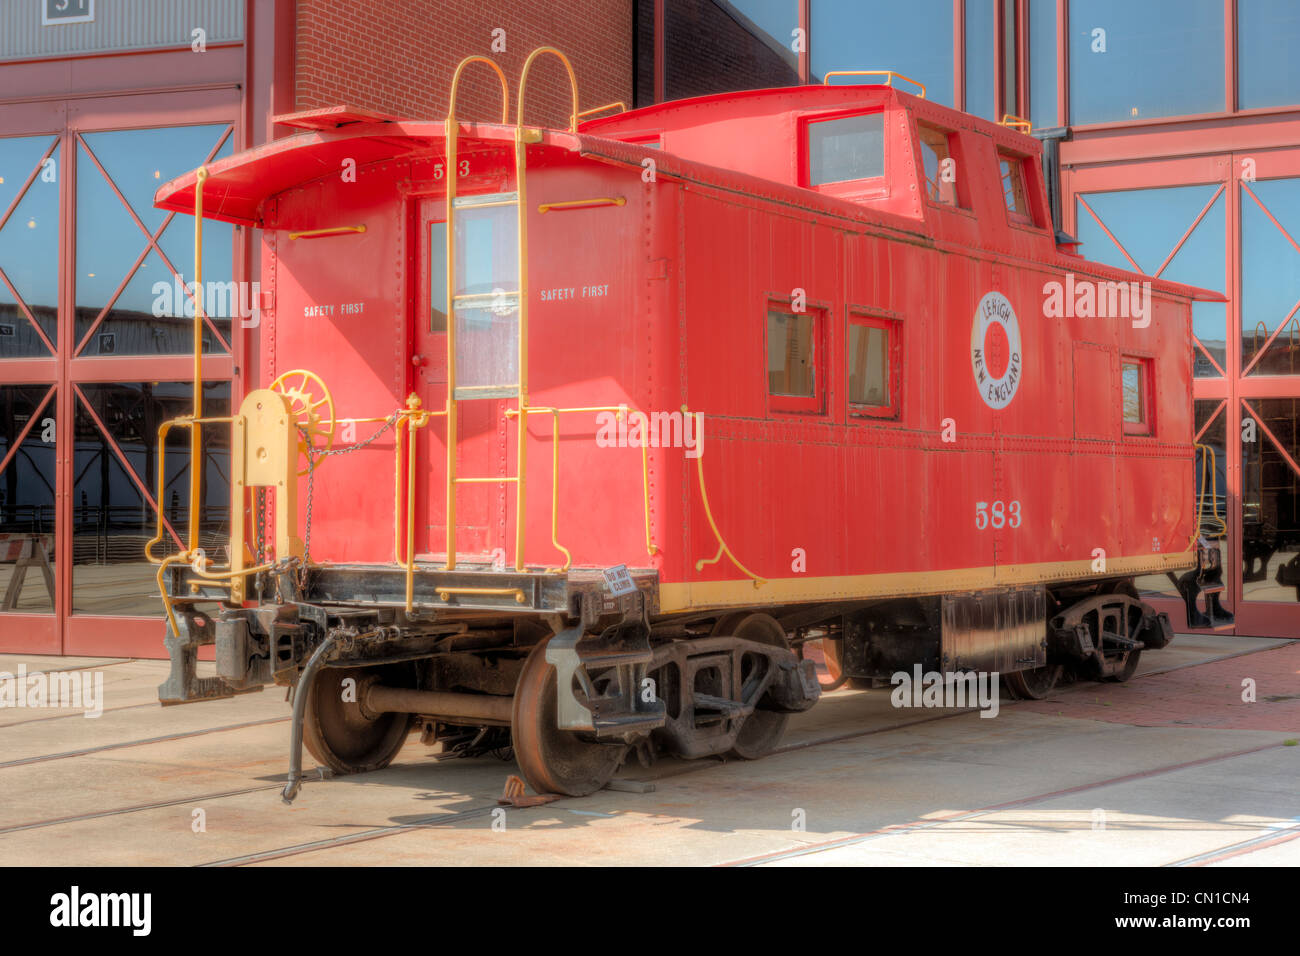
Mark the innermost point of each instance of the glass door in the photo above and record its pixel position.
(96, 317)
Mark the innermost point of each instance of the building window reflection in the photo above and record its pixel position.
(913, 38)
(1134, 61)
(115, 475)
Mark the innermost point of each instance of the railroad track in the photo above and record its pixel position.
(931, 823)
(433, 821)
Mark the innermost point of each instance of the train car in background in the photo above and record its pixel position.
(578, 440)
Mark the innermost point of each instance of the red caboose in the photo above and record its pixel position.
(585, 435)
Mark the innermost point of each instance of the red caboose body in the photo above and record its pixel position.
(656, 402)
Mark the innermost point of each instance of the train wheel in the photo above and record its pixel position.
(1033, 684)
(554, 760)
(762, 729)
(1130, 665)
(1130, 658)
(340, 734)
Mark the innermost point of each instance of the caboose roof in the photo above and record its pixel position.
(238, 187)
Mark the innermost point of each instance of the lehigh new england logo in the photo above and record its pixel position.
(995, 350)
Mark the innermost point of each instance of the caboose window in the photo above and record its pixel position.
(846, 149)
(940, 173)
(874, 367)
(487, 297)
(793, 381)
(1013, 189)
(1137, 396)
(438, 277)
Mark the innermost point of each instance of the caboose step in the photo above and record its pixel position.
(720, 705)
(613, 657)
(617, 725)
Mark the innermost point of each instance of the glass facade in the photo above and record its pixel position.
(1270, 277)
(133, 260)
(1042, 64)
(1270, 501)
(29, 246)
(1133, 61)
(913, 38)
(1147, 230)
(28, 449)
(1268, 34)
(115, 465)
(86, 377)
(981, 67)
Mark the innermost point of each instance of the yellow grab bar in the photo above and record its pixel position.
(196, 434)
(582, 203)
(517, 593)
(328, 231)
(887, 74)
(1016, 122)
(185, 421)
(455, 84)
(573, 86)
(622, 108)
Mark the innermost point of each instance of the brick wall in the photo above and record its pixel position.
(398, 56)
(709, 49)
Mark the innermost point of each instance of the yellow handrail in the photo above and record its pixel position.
(582, 203)
(455, 84)
(451, 134)
(516, 593)
(327, 231)
(196, 434)
(1209, 459)
(622, 108)
(573, 86)
(888, 74)
(183, 421)
(708, 513)
(415, 417)
(620, 410)
(1016, 122)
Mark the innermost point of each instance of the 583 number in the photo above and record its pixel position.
(997, 514)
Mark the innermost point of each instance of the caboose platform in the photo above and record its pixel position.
(581, 593)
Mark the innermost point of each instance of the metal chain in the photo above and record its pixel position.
(313, 454)
(259, 517)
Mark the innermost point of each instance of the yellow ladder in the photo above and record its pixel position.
(498, 300)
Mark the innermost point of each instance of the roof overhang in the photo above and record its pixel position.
(237, 187)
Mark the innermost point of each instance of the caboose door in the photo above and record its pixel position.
(485, 354)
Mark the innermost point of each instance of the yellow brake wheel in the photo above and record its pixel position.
(312, 407)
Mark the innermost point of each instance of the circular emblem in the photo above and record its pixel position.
(995, 350)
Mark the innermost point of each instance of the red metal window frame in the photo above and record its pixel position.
(952, 145)
(1019, 187)
(870, 187)
(893, 329)
(814, 404)
(1146, 426)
